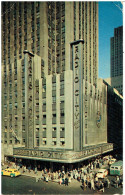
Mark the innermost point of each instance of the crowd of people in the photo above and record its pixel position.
(86, 175)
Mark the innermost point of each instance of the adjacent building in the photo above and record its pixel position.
(116, 83)
(115, 119)
(54, 107)
(116, 59)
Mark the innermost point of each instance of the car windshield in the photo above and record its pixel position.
(100, 172)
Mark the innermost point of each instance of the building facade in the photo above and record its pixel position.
(115, 118)
(46, 29)
(116, 59)
(54, 108)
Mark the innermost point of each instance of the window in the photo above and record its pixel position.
(62, 85)
(44, 88)
(62, 129)
(54, 143)
(10, 141)
(44, 116)
(44, 142)
(54, 99)
(53, 86)
(54, 128)
(62, 143)
(62, 112)
(37, 142)
(54, 115)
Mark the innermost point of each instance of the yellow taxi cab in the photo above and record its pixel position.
(10, 172)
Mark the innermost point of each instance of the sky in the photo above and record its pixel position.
(110, 17)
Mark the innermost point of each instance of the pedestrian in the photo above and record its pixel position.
(78, 177)
(60, 181)
(92, 184)
(24, 169)
(66, 181)
(84, 178)
(47, 179)
(96, 179)
(37, 178)
(29, 168)
(44, 177)
(35, 170)
(108, 183)
(117, 181)
(91, 166)
(69, 179)
(101, 187)
(84, 185)
(54, 175)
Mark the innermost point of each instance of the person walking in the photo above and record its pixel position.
(84, 185)
(35, 170)
(108, 183)
(47, 179)
(101, 187)
(92, 184)
(37, 178)
(91, 166)
(69, 180)
(60, 181)
(66, 181)
(96, 179)
(117, 181)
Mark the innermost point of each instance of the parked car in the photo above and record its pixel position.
(102, 173)
(113, 160)
(106, 157)
(10, 172)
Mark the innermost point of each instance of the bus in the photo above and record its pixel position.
(117, 168)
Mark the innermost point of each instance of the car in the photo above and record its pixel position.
(10, 172)
(102, 173)
(106, 157)
(113, 160)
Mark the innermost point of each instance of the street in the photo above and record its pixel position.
(28, 185)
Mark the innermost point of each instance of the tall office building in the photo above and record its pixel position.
(116, 59)
(46, 29)
(53, 107)
(116, 52)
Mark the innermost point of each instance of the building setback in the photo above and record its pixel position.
(54, 108)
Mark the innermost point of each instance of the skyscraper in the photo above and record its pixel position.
(116, 59)
(52, 104)
(116, 52)
(46, 29)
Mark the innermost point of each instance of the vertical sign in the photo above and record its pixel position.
(29, 113)
(77, 66)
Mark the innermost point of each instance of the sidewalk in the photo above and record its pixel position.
(38, 175)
